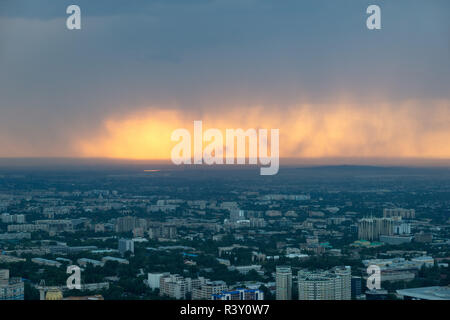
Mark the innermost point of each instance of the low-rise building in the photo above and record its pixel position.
(239, 294)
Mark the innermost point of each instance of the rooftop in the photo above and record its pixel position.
(427, 293)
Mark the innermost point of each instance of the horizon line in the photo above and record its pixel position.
(284, 161)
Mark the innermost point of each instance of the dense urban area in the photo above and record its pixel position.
(308, 233)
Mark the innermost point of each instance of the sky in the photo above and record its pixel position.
(137, 70)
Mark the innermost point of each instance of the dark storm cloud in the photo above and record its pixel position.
(56, 83)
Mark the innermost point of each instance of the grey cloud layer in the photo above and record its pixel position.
(205, 54)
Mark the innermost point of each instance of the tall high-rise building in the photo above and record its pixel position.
(399, 212)
(162, 231)
(169, 232)
(153, 279)
(343, 289)
(373, 228)
(402, 228)
(10, 288)
(126, 245)
(174, 286)
(356, 286)
(126, 224)
(284, 283)
(236, 215)
(4, 276)
(20, 218)
(334, 284)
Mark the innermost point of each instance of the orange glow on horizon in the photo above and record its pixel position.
(342, 130)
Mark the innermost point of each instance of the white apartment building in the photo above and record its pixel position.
(283, 283)
(334, 284)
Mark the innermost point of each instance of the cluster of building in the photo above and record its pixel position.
(179, 287)
(393, 228)
(12, 218)
(276, 229)
(334, 284)
(10, 288)
(240, 294)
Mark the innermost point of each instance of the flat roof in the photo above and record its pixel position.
(427, 293)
